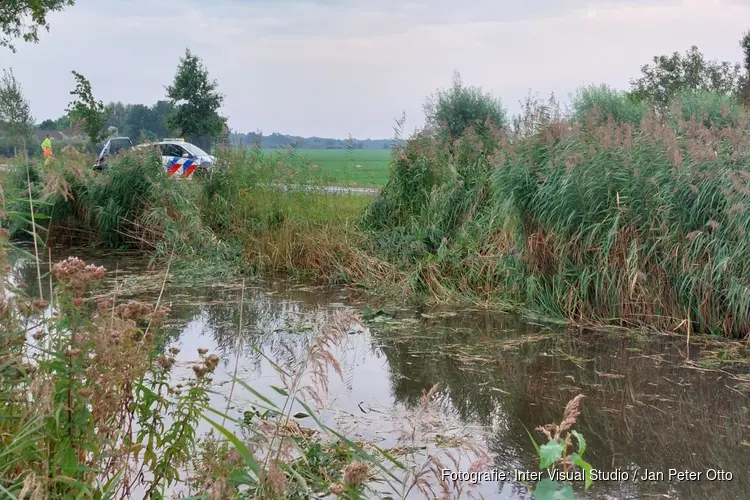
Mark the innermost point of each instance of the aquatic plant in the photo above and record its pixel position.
(589, 219)
(556, 452)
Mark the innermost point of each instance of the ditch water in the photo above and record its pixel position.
(646, 408)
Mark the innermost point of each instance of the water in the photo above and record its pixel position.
(497, 376)
(325, 189)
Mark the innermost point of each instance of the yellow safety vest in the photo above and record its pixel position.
(47, 147)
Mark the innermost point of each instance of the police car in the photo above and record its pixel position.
(180, 158)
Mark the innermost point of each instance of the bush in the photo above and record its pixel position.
(451, 111)
(607, 102)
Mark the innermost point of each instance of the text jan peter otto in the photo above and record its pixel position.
(617, 475)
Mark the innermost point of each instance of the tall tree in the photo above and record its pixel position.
(47, 124)
(24, 18)
(90, 113)
(669, 76)
(136, 121)
(158, 119)
(117, 112)
(195, 101)
(16, 122)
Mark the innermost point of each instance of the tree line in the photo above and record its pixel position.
(131, 120)
(279, 141)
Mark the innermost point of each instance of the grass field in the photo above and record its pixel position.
(341, 167)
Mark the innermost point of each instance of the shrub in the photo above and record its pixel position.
(451, 111)
(609, 103)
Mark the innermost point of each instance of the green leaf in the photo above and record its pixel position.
(565, 493)
(533, 441)
(68, 460)
(240, 477)
(271, 404)
(239, 446)
(72, 482)
(581, 442)
(296, 475)
(301, 415)
(8, 493)
(547, 489)
(281, 391)
(109, 487)
(580, 462)
(390, 457)
(549, 452)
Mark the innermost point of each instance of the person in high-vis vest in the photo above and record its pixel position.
(47, 150)
(47, 147)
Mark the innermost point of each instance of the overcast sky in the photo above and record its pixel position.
(334, 67)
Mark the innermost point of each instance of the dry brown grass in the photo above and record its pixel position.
(323, 252)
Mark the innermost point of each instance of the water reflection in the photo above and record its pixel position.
(645, 408)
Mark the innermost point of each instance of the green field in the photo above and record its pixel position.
(341, 167)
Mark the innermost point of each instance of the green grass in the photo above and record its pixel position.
(303, 207)
(341, 167)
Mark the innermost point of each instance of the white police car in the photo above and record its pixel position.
(180, 158)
